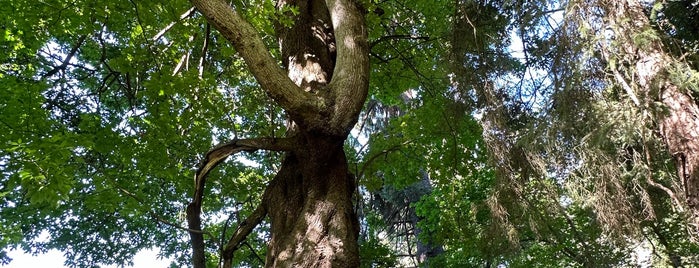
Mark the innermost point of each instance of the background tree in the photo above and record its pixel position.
(569, 134)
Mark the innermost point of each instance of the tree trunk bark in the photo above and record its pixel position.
(313, 223)
(678, 116)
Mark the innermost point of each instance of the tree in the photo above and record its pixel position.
(662, 84)
(312, 219)
(309, 202)
(567, 140)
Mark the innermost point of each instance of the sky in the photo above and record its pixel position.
(55, 259)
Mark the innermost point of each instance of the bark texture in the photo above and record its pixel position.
(322, 85)
(310, 209)
(678, 116)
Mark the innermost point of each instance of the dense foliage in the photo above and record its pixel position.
(497, 133)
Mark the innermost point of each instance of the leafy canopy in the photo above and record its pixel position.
(487, 153)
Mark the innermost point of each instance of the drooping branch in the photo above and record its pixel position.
(350, 81)
(264, 67)
(214, 157)
(678, 116)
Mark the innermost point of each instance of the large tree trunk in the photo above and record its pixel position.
(324, 86)
(310, 200)
(310, 208)
(678, 116)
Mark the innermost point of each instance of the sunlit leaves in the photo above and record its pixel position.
(110, 138)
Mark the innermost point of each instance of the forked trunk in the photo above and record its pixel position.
(324, 86)
(310, 209)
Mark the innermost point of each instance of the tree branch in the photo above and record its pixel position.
(384, 152)
(70, 55)
(157, 217)
(162, 32)
(350, 81)
(254, 253)
(243, 230)
(223, 151)
(204, 49)
(211, 160)
(395, 37)
(264, 67)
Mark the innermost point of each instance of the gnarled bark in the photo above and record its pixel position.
(310, 208)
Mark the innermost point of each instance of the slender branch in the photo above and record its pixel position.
(180, 64)
(157, 217)
(254, 252)
(263, 66)
(184, 60)
(373, 158)
(649, 176)
(70, 56)
(626, 87)
(618, 77)
(395, 37)
(204, 49)
(162, 32)
(243, 230)
(214, 157)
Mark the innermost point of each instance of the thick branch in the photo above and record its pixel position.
(350, 81)
(264, 67)
(223, 151)
(211, 160)
(243, 230)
